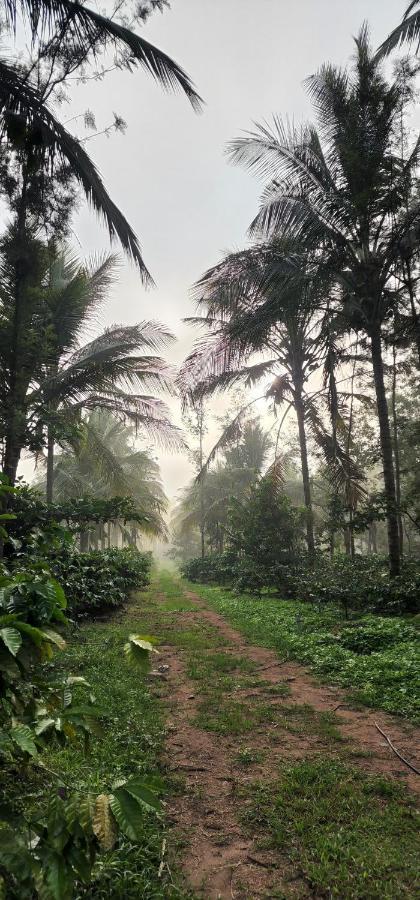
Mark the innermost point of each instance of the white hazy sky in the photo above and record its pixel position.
(169, 173)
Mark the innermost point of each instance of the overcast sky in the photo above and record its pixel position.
(169, 173)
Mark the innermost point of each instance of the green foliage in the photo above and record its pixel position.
(45, 851)
(318, 635)
(351, 835)
(265, 527)
(58, 847)
(362, 584)
(101, 580)
(31, 510)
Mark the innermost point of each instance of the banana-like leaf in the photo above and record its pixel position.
(54, 638)
(143, 793)
(128, 813)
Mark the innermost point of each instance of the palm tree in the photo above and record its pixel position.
(104, 462)
(341, 191)
(204, 504)
(262, 301)
(59, 376)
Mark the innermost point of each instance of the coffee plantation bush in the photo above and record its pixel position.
(100, 580)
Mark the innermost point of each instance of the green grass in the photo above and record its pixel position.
(132, 742)
(388, 679)
(247, 756)
(352, 836)
(229, 716)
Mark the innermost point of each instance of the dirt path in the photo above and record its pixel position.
(217, 758)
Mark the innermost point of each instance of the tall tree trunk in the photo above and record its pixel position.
(414, 313)
(201, 482)
(396, 448)
(50, 464)
(17, 391)
(300, 414)
(386, 451)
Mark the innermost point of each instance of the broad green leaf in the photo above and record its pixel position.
(8, 664)
(23, 737)
(59, 593)
(138, 650)
(138, 789)
(44, 725)
(35, 634)
(12, 639)
(80, 862)
(57, 878)
(143, 642)
(54, 638)
(128, 813)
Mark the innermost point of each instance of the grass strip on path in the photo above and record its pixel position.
(387, 678)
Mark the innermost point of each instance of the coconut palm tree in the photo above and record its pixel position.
(102, 461)
(344, 192)
(263, 301)
(59, 375)
(205, 504)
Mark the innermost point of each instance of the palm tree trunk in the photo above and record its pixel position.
(300, 414)
(414, 313)
(386, 451)
(201, 483)
(396, 442)
(17, 390)
(50, 464)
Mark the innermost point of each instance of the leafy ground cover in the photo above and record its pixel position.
(130, 744)
(377, 658)
(349, 831)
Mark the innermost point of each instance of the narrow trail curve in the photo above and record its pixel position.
(220, 859)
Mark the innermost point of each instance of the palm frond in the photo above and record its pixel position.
(407, 32)
(22, 111)
(229, 434)
(88, 29)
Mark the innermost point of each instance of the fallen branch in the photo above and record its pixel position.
(397, 752)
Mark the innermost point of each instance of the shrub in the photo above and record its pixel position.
(101, 579)
(362, 584)
(215, 569)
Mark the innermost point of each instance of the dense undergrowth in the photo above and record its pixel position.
(377, 658)
(53, 828)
